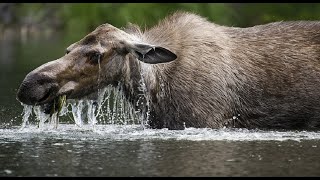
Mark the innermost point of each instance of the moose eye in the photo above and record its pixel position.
(95, 57)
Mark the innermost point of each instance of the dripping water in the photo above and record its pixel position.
(27, 110)
(143, 99)
(41, 116)
(109, 107)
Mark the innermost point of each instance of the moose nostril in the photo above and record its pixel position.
(22, 93)
(26, 93)
(35, 89)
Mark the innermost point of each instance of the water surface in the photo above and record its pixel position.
(131, 150)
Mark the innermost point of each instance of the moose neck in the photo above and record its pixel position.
(140, 82)
(164, 86)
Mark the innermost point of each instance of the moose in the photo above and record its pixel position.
(197, 73)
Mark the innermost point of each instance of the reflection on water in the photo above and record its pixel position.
(131, 150)
(139, 132)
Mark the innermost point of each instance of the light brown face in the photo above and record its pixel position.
(89, 64)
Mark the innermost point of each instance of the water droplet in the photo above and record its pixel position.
(7, 171)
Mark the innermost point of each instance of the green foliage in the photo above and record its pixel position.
(259, 13)
(80, 18)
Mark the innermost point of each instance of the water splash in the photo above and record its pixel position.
(144, 97)
(136, 132)
(77, 108)
(27, 110)
(41, 116)
(108, 107)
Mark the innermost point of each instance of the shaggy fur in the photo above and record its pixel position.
(266, 76)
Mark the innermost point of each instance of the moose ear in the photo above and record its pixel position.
(152, 54)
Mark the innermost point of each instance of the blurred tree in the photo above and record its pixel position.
(80, 18)
(6, 13)
(250, 14)
(144, 14)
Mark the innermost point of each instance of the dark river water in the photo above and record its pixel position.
(131, 150)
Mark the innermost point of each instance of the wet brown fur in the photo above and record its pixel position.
(266, 76)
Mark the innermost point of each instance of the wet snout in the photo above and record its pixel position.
(37, 88)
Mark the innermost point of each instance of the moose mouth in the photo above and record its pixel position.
(47, 98)
(49, 107)
(49, 102)
(40, 91)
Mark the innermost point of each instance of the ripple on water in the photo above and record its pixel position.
(137, 132)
